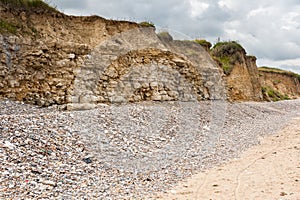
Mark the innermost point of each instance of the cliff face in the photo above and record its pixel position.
(241, 73)
(279, 84)
(50, 58)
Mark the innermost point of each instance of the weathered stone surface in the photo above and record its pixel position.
(243, 82)
(116, 62)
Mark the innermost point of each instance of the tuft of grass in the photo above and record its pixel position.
(226, 65)
(204, 43)
(147, 24)
(7, 27)
(273, 95)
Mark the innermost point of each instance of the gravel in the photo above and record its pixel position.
(128, 151)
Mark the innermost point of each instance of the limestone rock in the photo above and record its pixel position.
(116, 63)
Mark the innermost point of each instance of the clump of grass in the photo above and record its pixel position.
(273, 95)
(228, 54)
(7, 27)
(27, 4)
(204, 43)
(147, 24)
(279, 71)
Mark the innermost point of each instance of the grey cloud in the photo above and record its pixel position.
(70, 4)
(291, 68)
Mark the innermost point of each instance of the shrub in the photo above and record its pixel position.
(228, 54)
(204, 43)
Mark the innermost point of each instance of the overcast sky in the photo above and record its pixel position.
(268, 29)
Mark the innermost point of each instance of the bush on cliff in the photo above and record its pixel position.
(228, 54)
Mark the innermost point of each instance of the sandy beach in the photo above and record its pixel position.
(270, 170)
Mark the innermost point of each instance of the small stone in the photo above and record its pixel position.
(173, 192)
(87, 160)
(9, 145)
(51, 183)
(72, 56)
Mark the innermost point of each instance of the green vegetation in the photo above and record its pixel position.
(147, 24)
(226, 64)
(229, 46)
(7, 27)
(204, 43)
(273, 95)
(228, 54)
(27, 4)
(279, 71)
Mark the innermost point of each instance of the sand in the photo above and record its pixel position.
(270, 170)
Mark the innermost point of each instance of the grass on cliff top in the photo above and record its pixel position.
(228, 47)
(228, 54)
(279, 71)
(147, 24)
(27, 4)
(204, 43)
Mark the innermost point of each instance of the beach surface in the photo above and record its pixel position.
(270, 170)
(150, 150)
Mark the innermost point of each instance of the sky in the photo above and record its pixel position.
(268, 29)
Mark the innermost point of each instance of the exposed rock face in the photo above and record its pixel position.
(136, 65)
(81, 61)
(38, 72)
(242, 80)
(277, 86)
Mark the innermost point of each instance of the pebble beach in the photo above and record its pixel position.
(126, 151)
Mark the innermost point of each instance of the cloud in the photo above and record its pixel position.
(267, 29)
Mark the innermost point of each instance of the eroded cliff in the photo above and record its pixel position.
(279, 84)
(51, 58)
(241, 73)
